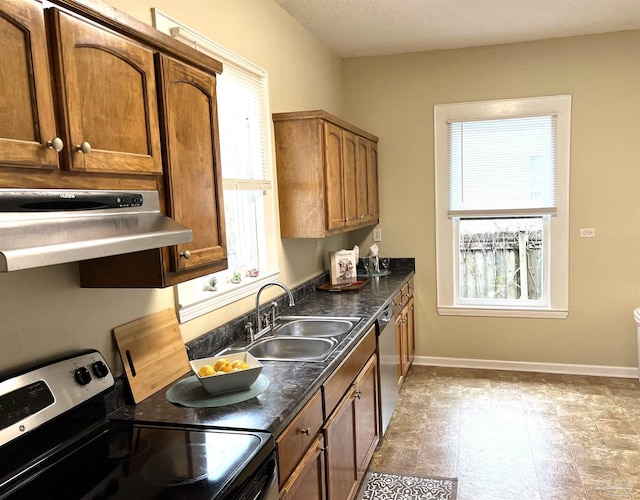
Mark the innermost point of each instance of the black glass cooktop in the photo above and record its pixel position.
(139, 462)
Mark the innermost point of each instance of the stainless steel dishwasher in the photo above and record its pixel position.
(385, 325)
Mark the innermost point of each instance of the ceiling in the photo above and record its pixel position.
(355, 28)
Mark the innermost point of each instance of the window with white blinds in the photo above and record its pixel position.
(502, 207)
(502, 166)
(246, 144)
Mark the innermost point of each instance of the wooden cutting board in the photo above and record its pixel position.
(152, 352)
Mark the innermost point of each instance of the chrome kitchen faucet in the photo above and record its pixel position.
(258, 318)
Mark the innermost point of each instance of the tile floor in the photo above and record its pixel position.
(516, 435)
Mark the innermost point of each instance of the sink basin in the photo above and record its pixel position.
(315, 326)
(293, 348)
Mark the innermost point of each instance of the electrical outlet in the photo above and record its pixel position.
(588, 232)
(377, 234)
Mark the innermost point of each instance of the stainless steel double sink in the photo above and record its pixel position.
(300, 338)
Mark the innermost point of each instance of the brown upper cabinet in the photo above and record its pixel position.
(79, 108)
(192, 188)
(192, 159)
(27, 123)
(106, 97)
(327, 175)
(103, 94)
(95, 99)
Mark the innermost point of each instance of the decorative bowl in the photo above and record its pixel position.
(232, 381)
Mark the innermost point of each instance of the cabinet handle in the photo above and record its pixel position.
(362, 216)
(186, 254)
(306, 431)
(84, 148)
(56, 144)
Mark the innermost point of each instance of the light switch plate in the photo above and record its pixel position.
(377, 234)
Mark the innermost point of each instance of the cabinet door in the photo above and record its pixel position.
(362, 181)
(193, 180)
(308, 479)
(367, 414)
(411, 331)
(107, 96)
(349, 171)
(27, 120)
(405, 341)
(334, 193)
(399, 349)
(340, 437)
(372, 182)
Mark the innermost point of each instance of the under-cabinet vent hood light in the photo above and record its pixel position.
(41, 227)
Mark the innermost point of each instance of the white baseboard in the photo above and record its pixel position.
(525, 366)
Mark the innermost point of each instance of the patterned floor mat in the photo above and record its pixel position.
(386, 486)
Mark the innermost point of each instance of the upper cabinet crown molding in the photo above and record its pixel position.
(134, 29)
(327, 175)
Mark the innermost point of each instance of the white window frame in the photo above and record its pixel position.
(193, 296)
(555, 303)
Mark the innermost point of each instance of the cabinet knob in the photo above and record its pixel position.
(56, 144)
(358, 394)
(186, 254)
(362, 216)
(84, 148)
(306, 431)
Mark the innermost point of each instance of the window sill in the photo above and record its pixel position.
(209, 301)
(497, 312)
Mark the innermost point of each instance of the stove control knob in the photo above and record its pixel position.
(82, 376)
(99, 369)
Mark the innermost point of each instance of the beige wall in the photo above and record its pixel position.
(394, 97)
(44, 312)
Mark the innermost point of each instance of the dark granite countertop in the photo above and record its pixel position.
(291, 383)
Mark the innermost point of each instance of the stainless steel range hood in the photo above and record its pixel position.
(41, 227)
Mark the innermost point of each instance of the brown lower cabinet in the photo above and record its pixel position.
(333, 464)
(308, 479)
(405, 330)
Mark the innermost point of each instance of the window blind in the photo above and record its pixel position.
(241, 116)
(502, 167)
(241, 91)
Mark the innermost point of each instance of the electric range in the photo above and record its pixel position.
(57, 443)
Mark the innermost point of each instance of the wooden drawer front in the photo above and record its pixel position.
(298, 436)
(334, 388)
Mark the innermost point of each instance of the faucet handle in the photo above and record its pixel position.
(265, 320)
(249, 330)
